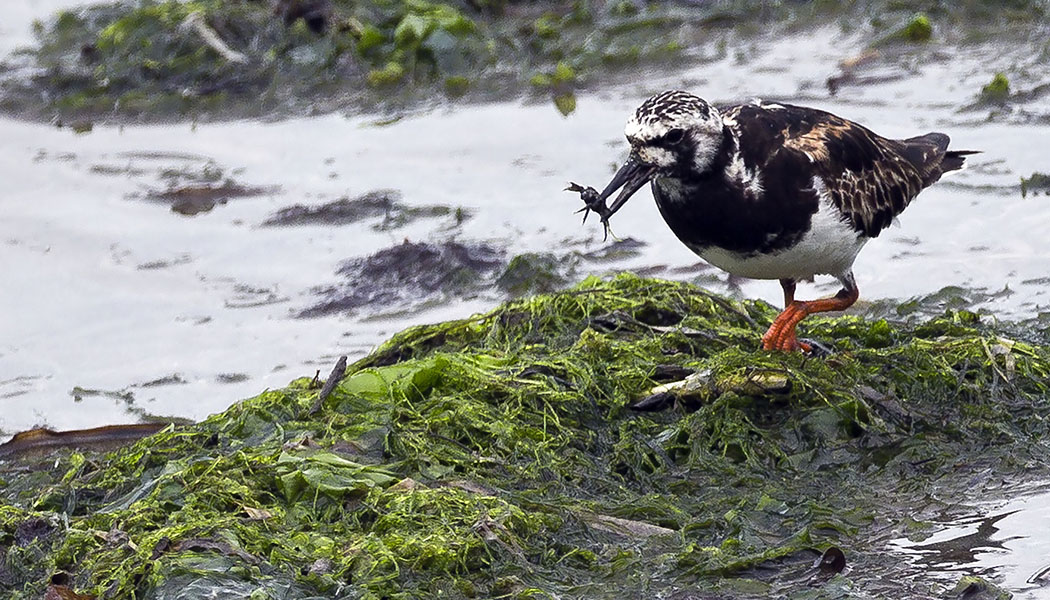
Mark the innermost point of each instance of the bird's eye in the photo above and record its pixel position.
(674, 136)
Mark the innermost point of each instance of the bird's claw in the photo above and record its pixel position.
(592, 201)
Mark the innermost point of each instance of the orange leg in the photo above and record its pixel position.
(781, 334)
(789, 291)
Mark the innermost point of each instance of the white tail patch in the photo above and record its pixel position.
(953, 172)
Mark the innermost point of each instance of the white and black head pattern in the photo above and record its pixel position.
(676, 130)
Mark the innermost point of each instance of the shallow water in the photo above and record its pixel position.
(182, 315)
(1007, 544)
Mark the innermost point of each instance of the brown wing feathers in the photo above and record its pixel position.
(871, 182)
(871, 179)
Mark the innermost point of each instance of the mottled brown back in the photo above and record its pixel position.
(871, 179)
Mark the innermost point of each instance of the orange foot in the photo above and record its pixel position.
(781, 335)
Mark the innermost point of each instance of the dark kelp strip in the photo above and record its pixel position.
(97, 438)
(496, 457)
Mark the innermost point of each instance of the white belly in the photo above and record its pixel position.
(828, 248)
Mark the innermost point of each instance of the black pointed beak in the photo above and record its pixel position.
(631, 176)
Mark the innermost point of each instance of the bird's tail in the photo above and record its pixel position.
(931, 156)
(955, 160)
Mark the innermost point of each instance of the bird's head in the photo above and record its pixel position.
(671, 134)
(675, 131)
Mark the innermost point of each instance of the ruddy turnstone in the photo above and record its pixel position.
(772, 191)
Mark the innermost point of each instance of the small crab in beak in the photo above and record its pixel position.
(631, 177)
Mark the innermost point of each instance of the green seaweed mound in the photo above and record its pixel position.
(496, 457)
(996, 91)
